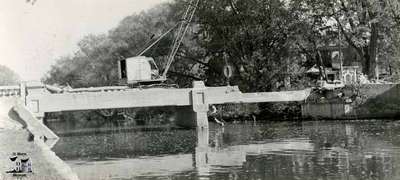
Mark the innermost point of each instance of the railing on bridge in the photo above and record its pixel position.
(10, 91)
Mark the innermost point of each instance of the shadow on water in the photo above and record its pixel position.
(279, 150)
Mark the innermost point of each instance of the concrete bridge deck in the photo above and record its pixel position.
(193, 103)
(131, 98)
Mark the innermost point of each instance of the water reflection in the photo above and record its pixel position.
(219, 159)
(283, 150)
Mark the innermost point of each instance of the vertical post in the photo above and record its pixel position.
(196, 114)
(376, 68)
(340, 57)
(22, 92)
(199, 104)
(202, 152)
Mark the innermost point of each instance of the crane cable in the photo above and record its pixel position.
(181, 33)
(156, 41)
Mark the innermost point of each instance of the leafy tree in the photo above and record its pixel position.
(8, 77)
(366, 25)
(252, 36)
(138, 31)
(95, 64)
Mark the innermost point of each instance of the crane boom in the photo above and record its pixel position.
(184, 26)
(156, 41)
(141, 70)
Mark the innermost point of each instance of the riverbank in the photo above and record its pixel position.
(367, 101)
(18, 140)
(21, 133)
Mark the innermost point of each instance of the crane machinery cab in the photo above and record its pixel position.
(139, 70)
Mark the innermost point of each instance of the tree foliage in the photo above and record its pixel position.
(367, 26)
(263, 40)
(253, 36)
(8, 77)
(95, 63)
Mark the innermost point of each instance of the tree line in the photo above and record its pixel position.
(8, 76)
(264, 40)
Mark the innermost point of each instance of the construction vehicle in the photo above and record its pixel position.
(141, 71)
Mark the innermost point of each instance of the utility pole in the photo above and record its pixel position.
(340, 56)
(340, 44)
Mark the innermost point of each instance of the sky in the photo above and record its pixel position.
(32, 37)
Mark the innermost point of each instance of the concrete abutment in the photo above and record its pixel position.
(195, 115)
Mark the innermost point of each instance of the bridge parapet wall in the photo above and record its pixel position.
(10, 91)
(35, 126)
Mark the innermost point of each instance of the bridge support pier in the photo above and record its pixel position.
(195, 116)
(202, 152)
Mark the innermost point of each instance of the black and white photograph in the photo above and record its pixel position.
(199, 89)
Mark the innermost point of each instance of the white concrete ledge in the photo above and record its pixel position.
(35, 126)
(63, 169)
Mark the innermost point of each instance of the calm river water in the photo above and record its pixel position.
(275, 150)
